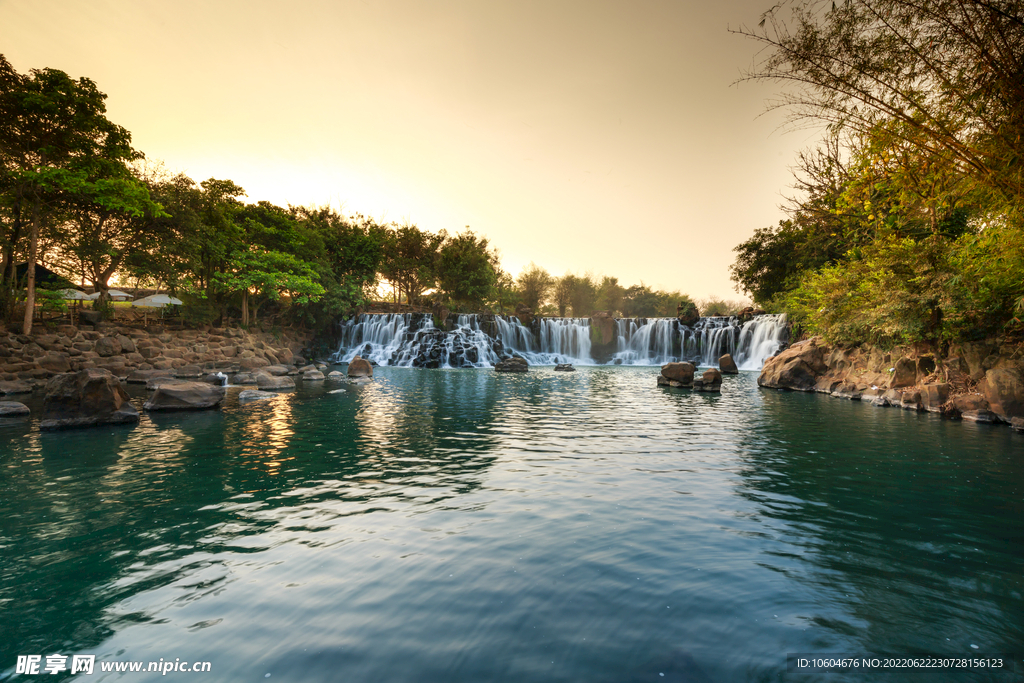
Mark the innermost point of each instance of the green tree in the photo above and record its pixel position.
(265, 275)
(534, 285)
(466, 269)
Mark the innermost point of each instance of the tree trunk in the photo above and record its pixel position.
(245, 308)
(30, 276)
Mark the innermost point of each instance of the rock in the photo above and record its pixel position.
(680, 372)
(687, 313)
(252, 363)
(269, 382)
(185, 396)
(904, 374)
(189, 371)
(565, 367)
(663, 381)
(15, 387)
(107, 346)
(90, 317)
(217, 379)
(360, 367)
(13, 409)
(911, 400)
(1017, 423)
(244, 378)
(967, 403)
(934, 396)
(312, 376)
(143, 376)
(254, 394)
(602, 329)
(54, 362)
(711, 380)
(275, 370)
(513, 364)
(797, 368)
(847, 390)
(986, 416)
(84, 399)
(727, 365)
(335, 375)
(1004, 390)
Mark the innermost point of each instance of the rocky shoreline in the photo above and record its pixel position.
(978, 381)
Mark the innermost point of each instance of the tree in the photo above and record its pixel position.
(609, 295)
(466, 269)
(945, 73)
(55, 141)
(534, 284)
(410, 258)
(261, 273)
(561, 292)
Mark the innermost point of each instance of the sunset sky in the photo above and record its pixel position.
(600, 136)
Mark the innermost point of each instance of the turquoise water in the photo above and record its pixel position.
(464, 525)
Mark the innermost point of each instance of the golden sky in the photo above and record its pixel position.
(591, 135)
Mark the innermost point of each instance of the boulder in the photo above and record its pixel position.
(90, 317)
(252, 363)
(1004, 390)
(217, 379)
(15, 387)
(271, 383)
(107, 346)
(13, 409)
(143, 376)
(797, 368)
(911, 400)
(312, 376)
(275, 370)
(934, 396)
(966, 403)
(360, 367)
(163, 380)
(1017, 423)
(84, 399)
(255, 394)
(244, 378)
(727, 365)
(848, 390)
(513, 364)
(687, 313)
(335, 375)
(679, 372)
(189, 371)
(565, 367)
(904, 374)
(711, 380)
(185, 396)
(54, 362)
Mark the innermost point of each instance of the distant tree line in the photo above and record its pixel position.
(907, 224)
(75, 195)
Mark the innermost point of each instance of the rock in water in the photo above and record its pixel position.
(13, 409)
(679, 372)
(265, 381)
(186, 396)
(796, 368)
(253, 394)
(565, 367)
(84, 399)
(711, 380)
(360, 367)
(15, 387)
(727, 365)
(157, 382)
(335, 375)
(513, 364)
(313, 375)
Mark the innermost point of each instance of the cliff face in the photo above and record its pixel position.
(981, 381)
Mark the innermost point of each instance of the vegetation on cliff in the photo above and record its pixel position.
(907, 224)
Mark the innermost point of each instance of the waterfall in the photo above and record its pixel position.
(412, 340)
(760, 339)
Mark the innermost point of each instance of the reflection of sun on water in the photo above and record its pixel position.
(266, 438)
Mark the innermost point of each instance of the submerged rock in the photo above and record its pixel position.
(255, 394)
(565, 367)
(84, 399)
(186, 396)
(313, 376)
(13, 409)
(336, 376)
(513, 364)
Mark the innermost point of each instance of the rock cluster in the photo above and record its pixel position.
(125, 350)
(979, 381)
(565, 367)
(681, 376)
(86, 398)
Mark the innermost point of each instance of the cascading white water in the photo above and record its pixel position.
(760, 339)
(412, 340)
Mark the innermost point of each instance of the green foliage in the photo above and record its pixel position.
(51, 301)
(535, 283)
(466, 270)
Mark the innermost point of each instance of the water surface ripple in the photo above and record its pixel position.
(464, 525)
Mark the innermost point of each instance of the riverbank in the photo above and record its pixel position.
(978, 381)
(28, 361)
